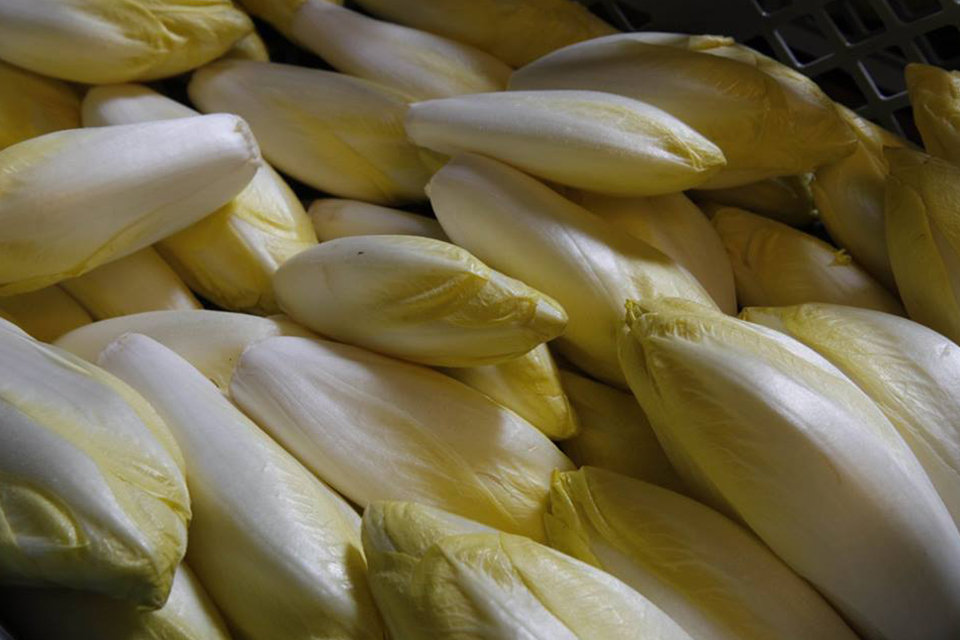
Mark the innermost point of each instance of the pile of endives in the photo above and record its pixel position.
(440, 341)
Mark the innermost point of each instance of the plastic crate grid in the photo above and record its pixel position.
(855, 50)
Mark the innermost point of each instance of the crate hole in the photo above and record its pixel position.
(772, 6)
(904, 118)
(806, 40)
(761, 44)
(841, 87)
(636, 17)
(855, 19)
(943, 44)
(885, 68)
(910, 10)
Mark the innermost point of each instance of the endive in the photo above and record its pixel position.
(923, 237)
(521, 227)
(230, 256)
(585, 139)
(46, 314)
(419, 299)
(31, 105)
(278, 551)
(714, 578)
(850, 197)
(787, 199)
(211, 341)
(375, 428)
(437, 577)
(336, 133)
(766, 430)
(93, 494)
(615, 434)
(104, 41)
(250, 47)
(517, 33)
(142, 281)
(911, 372)
(60, 614)
(140, 183)
(418, 64)
(675, 226)
(337, 218)
(530, 386)
(935, 97)
(766, 126)
(774, 264)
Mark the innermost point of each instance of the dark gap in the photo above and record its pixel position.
(772, 6)
(842, 88)
(904, 118)
(856, 20)
(806, 40)
(636, 17)
(910, 10)
(942, 45)
(761, 44)
(885, 68)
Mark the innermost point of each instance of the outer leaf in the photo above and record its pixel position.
(774, 264)
(786, 199)
(529, 385)
(46, 314)
(585, 139)
(911, 372)
(615, 434)
(279, 551)
(104, 41)
(336, 218)
(211, 341)
(375, 428)
(339, 134)
(766, 122)
(92, 494)
(768, 431)
(31, 105)
(230, 256)
(139, 184)
(523, 228)
(935, 97)
(418, 299)
(714, 578)
(438, 578)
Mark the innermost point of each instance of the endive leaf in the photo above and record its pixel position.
(923, 237)
(419, 64)
(714, 578)
(767, 124)
(530, 386)
(766, 430)
(375, 428)
(278, 551)
(142, 281)
(230, 256)
(935, 97)
(337, 218)
(140, 183)
(615, 434)
(911, 372)
(46, 314)
(211, 341)
(31, 105)
(92, 493)
(249, 47)
(439, 578)
(585, 139)
(59, 614)
(104, 41)
(675, 226)
(787, 199)
(774, 265)
(521, 227)
(517, 33)
(336, 133)
(419, 299)
(850, 197)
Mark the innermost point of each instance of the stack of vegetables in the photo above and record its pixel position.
(441, 341)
